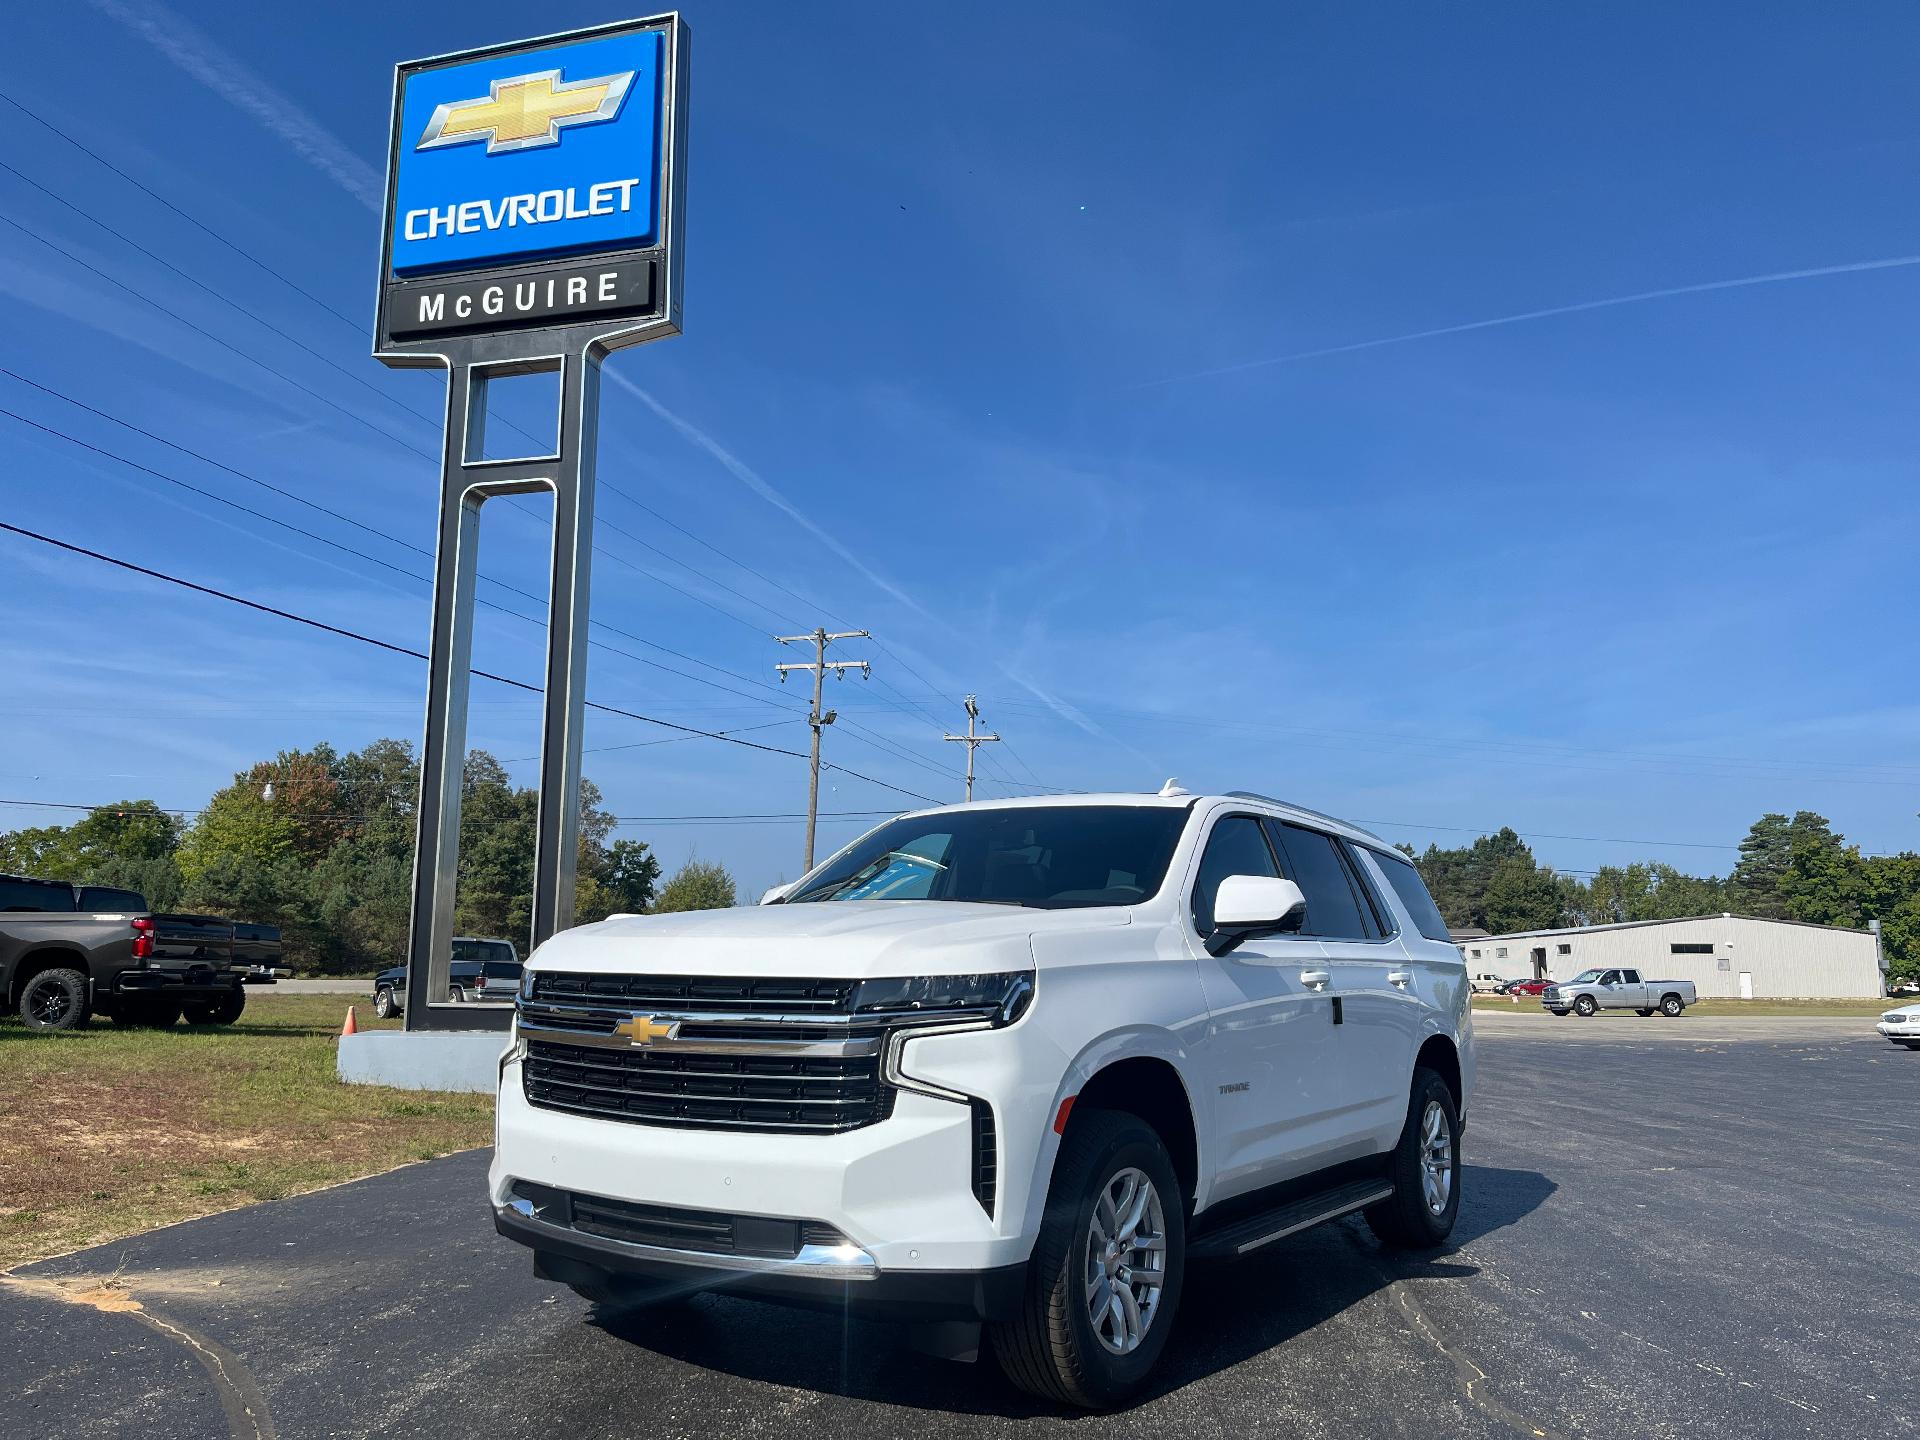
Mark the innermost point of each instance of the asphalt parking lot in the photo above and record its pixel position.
(1699, 1227)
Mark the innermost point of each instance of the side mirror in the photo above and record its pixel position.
(777, 893)
(1250, 905)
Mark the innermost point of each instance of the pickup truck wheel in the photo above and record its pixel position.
(1584, 1006)
(457, 994)
(223, 1011)
(1107, 1268)
(54, 1000)
(383, 1006)
(1671, 1006)
(1425, 1170)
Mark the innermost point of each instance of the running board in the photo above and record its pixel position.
(1250, 1234)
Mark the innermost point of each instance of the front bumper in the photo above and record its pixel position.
(1908, 1031)
(843, 1278)
(901, 1189)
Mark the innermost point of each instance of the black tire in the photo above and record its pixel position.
(1051, 1348)
(1584, 1006)
(223, 1011)
(1643, 1013)
(457, 994)
(1671, 1006)
(383, 1006)
(54, 1000)
(145, 1012)
(1407, 1220)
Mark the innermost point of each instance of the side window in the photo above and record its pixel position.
(96, 898)
(1412, 891)
(1315, 866)
(1630, 977)
(1612, 977)
(1374, 908)
(1236, 847)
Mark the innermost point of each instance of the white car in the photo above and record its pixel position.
(1902, 1026)
(1001, 1067)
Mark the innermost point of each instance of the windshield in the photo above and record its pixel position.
(1587, 977)
(1052, 857)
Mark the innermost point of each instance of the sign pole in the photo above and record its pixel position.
(502, 157)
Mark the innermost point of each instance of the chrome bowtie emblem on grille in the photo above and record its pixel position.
(645, 1029)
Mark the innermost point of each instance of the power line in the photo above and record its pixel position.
(388, 645)
(191, 219)
(131, 464)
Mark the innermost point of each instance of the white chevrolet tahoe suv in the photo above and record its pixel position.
(1008, 1066)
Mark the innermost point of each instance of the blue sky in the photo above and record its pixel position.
(1006, 339)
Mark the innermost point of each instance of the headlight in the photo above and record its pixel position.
(1001, 997)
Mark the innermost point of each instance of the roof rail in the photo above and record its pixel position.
(1302, 809)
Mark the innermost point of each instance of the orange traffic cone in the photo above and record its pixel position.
(350, 1028)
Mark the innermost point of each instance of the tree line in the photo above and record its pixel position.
(329, 859)
(1790, 868)
(320, 843)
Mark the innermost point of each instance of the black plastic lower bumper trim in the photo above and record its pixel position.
(905, 1295)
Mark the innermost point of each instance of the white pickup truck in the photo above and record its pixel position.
(1595, 990)
(1005, 1069)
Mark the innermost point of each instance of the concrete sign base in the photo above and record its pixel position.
(433, 1060)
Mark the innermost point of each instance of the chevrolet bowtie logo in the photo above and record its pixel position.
(645, 1029)
(526, 111)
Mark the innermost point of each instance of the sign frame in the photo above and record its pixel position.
(572, 348)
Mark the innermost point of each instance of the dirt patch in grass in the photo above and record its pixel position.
(110, 1131)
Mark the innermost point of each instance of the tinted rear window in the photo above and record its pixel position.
(500, 969)
(1412, 891)
(96, 898)
(35, 895)
(477, 950)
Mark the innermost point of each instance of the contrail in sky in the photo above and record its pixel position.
(753, 480)
(1637, 299)
(243, 88)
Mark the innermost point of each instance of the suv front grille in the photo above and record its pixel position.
(770, 1055)
(708, 1092)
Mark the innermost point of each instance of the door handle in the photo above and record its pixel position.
(1314, 979)
(1402, 978)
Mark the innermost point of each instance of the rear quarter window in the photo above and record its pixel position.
(1412, 890)
(35, 895)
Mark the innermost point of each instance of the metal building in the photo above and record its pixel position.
(1732, 957)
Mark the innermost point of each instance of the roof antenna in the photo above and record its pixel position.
(1171, 788)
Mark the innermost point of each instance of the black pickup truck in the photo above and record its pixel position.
(68, 952)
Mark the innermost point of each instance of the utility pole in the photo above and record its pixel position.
(819, 665)
(972, 741)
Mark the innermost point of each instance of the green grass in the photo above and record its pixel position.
(1530, 1005)
(113, 1131)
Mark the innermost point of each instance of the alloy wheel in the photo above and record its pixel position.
(1126, 1261)
(1436, 1158)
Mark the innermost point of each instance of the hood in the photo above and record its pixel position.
(1909, 1010)
(855, 939)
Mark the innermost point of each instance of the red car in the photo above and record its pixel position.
(1535, 988)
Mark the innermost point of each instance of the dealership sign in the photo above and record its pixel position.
(535, 185)
(532, 225)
